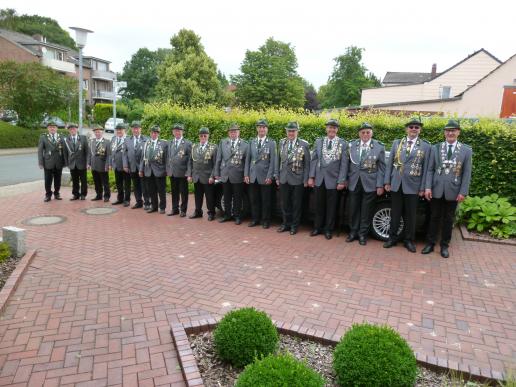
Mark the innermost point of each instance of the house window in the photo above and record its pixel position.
(59, 55)
(102, 66)
(445, 92)
(85, 84)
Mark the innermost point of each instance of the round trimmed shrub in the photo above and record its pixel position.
(244, 334)
(279, 370)
(371, 355)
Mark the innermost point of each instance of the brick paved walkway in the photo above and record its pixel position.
(94, 307)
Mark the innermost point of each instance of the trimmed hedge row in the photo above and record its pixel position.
(493, 141)
(19, 137)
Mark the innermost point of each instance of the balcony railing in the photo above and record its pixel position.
(106, 75)
(59, 65)
(101, 94)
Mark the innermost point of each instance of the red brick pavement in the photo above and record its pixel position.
(95, 306)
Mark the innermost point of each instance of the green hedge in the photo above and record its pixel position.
(19, 137)
(103, 111)
(493, 141)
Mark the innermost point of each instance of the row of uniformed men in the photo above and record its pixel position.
(441, 173)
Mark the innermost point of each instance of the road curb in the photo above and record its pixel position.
(14, 279)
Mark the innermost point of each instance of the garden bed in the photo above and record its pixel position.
(216, 373)
(7, 266)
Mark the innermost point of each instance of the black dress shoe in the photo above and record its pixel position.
(95, 199)
(57, 196)
(47, 199)
(151, 210)
(444, 252)
(390, 243)
(117, 202)
(328, 235)
(409, 245)
(126, 204)
(427, 249)
(146, 207)
(182, 214)
(351, 238)
(137, 206)
(74, 198)
(293, 230)
(195, 215)
(266, 225)
(211, 218)
(161, 210)
(253, 223)
(173, 212)
(315, 232)
(238, 221)
(225, 219)
(282, 228)
(106, 200)
(362, 241)
(83, 197)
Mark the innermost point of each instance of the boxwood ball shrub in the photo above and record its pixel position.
(279, 371)
(372, 355)
(243, 335)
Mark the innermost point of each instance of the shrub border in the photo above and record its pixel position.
(14, 279)
(467, 236)
(192, 375)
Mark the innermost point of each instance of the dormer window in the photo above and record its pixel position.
(444, 92)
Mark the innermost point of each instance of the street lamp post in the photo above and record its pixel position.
(80, 38)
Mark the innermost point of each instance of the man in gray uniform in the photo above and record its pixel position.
(76, 157)
(179, 150)
(293, 167)
(98, 163)
(201, 172)
(229, 169)
(447, 184)
(116, 163)
(153, 168)
(365, 171)
(132, 158)
(405, 176)
(259, 172)
(51, 160)
(327, 175)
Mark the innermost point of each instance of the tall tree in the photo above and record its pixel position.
(269, 77)
(347, 80)
(311, 100)
(35, 24)
(32, 89)
(141, 73)
(188, 75)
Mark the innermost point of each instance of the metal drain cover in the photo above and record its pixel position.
(44, 220)
(99, 211)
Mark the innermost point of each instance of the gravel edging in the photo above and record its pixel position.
(11, 283)
(486, 238)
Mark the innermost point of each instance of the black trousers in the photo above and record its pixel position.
(139, 189)
(443, 214)
(361, 204)
(403, 205)
(156, 186)
(291, 203)
(123, 186)
(79, 182)
(260, 196)
(204, 190)
(52, 175)
(325, 208)
(179, 188)
(232, 199)
(101, 181)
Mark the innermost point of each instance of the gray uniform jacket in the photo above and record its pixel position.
(116, 159)
(98, 155)
(449, 177)
(293, 167)
(154, 159)
(76, 156)
(178, 158)
(202, 163)
(132, 156)
(260, 163)
(411, 170)
(231, 162)
(51, 153)
(328, 165)
(370, 170)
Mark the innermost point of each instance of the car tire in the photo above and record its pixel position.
(381, 221)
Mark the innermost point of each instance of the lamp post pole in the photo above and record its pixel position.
(114, 104)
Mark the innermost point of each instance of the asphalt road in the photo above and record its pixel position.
(15, 169)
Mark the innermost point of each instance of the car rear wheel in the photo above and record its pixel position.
(381, 223)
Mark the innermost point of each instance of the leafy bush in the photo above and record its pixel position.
(493, 141)
(20, 137)
(5, 251)
(103, 111)
(371, 355)
(280, 371)
(490, 213)
(244, 334)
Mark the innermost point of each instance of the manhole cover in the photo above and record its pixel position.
(44, 220)
(99, 210)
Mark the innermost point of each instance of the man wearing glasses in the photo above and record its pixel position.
(405, 179)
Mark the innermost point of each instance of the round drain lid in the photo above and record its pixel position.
(44, 220)
(99, 211)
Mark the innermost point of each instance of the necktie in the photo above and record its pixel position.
(290, 146)
(449, 154)
(362, 152)
(74, 140)
(409, 147)
(329, 144)
(135, 141)
(260, 144)
(176, 143)
(54, 138)
(232, 144)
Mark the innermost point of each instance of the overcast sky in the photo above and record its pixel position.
(397, 35)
